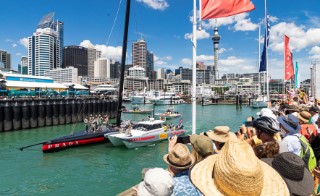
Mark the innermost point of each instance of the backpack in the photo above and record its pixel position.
(307, 153)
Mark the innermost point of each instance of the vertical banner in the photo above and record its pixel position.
(297, 79)
(288, 69)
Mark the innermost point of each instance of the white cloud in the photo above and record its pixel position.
(18, 54)
(14, 45)
(156, 4)
(106, 51)
(300, 37)
(205, 58)
(24, 42)
(315, 52)
(201, 34)
(231, 61)
(240, 22)
(161, 60)
(186, 61)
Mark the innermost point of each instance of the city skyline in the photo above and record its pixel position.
(166, 26)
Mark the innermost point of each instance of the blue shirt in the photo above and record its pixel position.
(183, 185)
(291, 143)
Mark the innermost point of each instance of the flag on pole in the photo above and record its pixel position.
(288, 68)
(263, 61)
(224, 8)
(296, 78)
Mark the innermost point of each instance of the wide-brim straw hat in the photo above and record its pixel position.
(221, 134)
(179, 157)
(304, 116)
(237, 171)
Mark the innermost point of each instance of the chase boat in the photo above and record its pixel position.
(144, 133)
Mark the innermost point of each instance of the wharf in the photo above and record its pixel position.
(26, 113)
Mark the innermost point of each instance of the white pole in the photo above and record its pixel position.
(194, 73)
(259, 91)
(267, 68)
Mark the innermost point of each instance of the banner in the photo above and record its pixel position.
(296, 77)
(224, 8)
(288, 69)
(263, 61)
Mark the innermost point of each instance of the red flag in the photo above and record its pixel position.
(223, 8)
(288, 69)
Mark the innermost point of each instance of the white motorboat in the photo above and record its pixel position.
(260, 102)
(169, 114)
(145, 133)
(167, 98)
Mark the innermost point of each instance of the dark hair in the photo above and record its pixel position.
(267, 150)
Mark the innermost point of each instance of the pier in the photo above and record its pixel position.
(27, 113)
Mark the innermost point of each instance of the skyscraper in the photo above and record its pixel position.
(76, 56)
(93, 55)
(139, 53)
(150, 66)
(47, 21)
(43, 51)
(5, 58)
(23, 65)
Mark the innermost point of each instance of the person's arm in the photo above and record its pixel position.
(172, 142)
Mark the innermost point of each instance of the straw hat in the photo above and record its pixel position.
(221, 134)
(304, 116)
(202, 144)
(237, 171)
(179, 157)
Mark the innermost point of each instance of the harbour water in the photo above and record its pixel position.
(93, 170)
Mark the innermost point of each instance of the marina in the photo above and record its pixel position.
(72, 171)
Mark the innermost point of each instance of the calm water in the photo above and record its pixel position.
(92, 170)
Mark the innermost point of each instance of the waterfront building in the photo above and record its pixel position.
(16, 83)
(139, 53)
(23, 66)
(161, 73)
(93, 55)
(76, 56)
(156, 85)
(136, 79)
(47, 21)
(246, 85)
(203, 76)
(63, 75)
(102, 68)
(5, 59)
(43, 52)
(200, 66)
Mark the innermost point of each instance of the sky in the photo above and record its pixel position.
(166, 26)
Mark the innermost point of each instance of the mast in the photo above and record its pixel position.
(267, 68)
(194, 67)
(259, 60)
(123, 61)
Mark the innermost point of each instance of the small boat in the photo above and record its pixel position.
(145, 133)
(260, 102)
(169, 114)
(137, 110)
(77, 139)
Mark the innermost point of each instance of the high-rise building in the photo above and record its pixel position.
(23, 66)
(114, 70)
(139, 53)
(102, 68)
(150, 66)
(76, 56)
(161, 73)
(47, 21)
(43, 51)
(93, 55)
(5, 58)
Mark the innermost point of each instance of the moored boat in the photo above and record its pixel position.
(169, 114)
(137, 110)
(145, 133)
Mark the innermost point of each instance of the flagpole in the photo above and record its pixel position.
(194, 66)
(284, 67)
(267, 67)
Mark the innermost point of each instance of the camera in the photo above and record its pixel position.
(183, 139)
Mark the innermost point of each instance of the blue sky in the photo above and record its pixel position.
(167, 28)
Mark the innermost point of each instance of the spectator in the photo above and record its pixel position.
(202, 147)
(220, 135)
(293, 171)
(314, 113)
(157, 181)
(309, 131)
(267, 129)
(180, 160)
(237, 171)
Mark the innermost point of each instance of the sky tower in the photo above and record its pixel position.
(216, 40)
